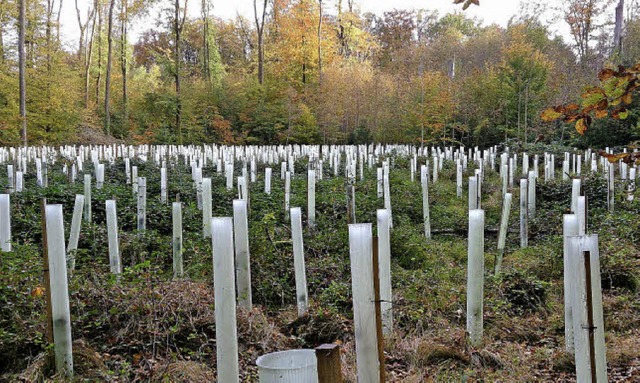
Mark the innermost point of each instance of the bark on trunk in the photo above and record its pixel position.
(21, 59)
(107, 83)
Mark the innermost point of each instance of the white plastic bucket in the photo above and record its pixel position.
(292, 366)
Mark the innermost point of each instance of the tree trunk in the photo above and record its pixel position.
(107, 83)
(178, 24)
(98, 77)
(617, 32)
(206, 65)
(21, 59)
(83, 28)
(320, 45)
(58, 22)
(87, 61)
(260, 32)
(123, 61)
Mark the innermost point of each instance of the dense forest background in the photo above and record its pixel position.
(309, 71)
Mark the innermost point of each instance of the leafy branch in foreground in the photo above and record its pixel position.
(467, 3)
(610, 99)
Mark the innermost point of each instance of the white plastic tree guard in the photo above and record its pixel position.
(142, 203)
(112, 233)
(87, 197)
(475, 277)
(5, 223)
(425, 202)
(302, 295)
(225, 298)
(243, 259)
(311, 198)
(588, 321)
(569, 228)
(524, 213)
(384, 267)
(178, 268)
(59, 289)
(74, 233)
(364, 312)
(473, 193)
(207, 213)
(504, 227)
(267, 181)
(287, 193)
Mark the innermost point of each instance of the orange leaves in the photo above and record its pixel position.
(37, 292)
(624, 157)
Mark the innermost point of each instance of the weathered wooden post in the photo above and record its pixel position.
(329, 364)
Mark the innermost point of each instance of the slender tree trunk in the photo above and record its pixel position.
(617, 33)
(21, 59)
(3, 4)
(99, 76)
(87, 61)
(206, 65)
(107, 86)
(123, 61)
(83, 28)
(178, 24)
(58, 21)
(260, 32)
(320, 45)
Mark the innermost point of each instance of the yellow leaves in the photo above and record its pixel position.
(613, 158)
(601, 114)
(550, 114)
(581, 126)
(37, 292)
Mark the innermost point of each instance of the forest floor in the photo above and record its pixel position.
(146, 327)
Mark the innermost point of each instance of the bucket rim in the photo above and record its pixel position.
(272, 354)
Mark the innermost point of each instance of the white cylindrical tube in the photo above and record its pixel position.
(287, 193)
(60, 314)
(112, 233)
(163, 185)
(425, 208)
(384, 267)
(225, 298)
(142, 203)
(475, 277)
(243, 259)
(178, 268)
(575, 193)
(504, 227)
(531, 194)
(87, 197)
(524, 213)
(267, 181)
(569, 228)
(311, 198)
(298, 260)
(207, 213)
(74, 233)
(473, 193)
(5, 223)
(364, 312)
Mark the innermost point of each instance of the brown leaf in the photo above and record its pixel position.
(601, 113)
(606, 74)
(627, 98)
(613, 158)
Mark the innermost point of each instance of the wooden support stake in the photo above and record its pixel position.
(329, 364)
(376, 290)
(47, 283)
(590, 322)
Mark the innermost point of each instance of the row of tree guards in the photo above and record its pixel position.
(370, 256)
